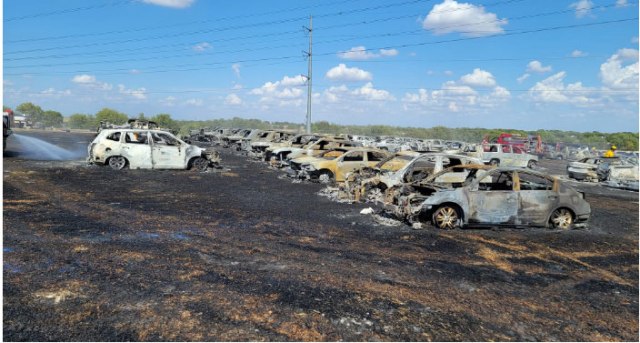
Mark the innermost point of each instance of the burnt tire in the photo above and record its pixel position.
(532, 164)
(200, 164)
(494, 162)
(447, 217)
(561, 219)
(375, 195)
(117, 162)
(325, 177)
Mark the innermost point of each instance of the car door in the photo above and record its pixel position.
(348, 162)
(167, 152)
(492, 199)
(536, 198)
(137, 150)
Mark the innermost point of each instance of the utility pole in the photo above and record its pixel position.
(310, 70)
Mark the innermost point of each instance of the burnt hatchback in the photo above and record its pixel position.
(495, 197)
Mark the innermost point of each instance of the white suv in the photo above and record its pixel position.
(148, 149)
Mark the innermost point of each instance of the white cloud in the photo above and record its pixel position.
(233, 99)
(134, 71)
(52, 92)
(297, 80)
(621, 3)
(455, 96)
(369, 93)
(84, 78)
(342, 94)
(470, 20)
(236, 69)
(500, 92)
(287, 91)
(170, 3)
(139, 94)
(343, 73)
(6, 82)
(479, 78)
(361, 53)
(615, 74)
(168, 101)
(634, 40)
(194, 102)
(523, 77)
(90, 81)
(578, 53)
(553, 89)
(582, 7)
(357, 53)
(536, 67)
(200, 47)
(388, 52)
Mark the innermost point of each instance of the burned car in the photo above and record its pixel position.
(313, 149)
(418, 167)
(597, 169)
(492, 197)
(334, 164)
(504, 155)
(148, 149)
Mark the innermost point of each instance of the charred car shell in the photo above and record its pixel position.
(503, 196)
(148, 149)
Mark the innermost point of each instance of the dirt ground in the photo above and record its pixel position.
(91, 254)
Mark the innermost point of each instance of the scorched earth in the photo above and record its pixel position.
(241, 253)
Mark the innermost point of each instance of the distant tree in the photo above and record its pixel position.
(33, 112)
(141, 116)
(82, 121)
(52, 119)
(112, 116)
(164, 121)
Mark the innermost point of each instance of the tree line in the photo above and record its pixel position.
(49, 118)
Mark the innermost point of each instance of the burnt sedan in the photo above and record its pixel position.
(502, 196)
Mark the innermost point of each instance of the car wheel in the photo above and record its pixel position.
(375, 195)
(532, 164)
(446, 217)
(494, 162)
(200, 164)
(117, 162)
(325, 177)
(561, 219)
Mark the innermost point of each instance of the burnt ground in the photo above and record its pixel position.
(241, 254)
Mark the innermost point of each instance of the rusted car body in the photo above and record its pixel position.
(515, 197)
(418, 168)
(313, 149)
(148, 149)
(595, 169)
(504, 155)
(334, 164)
(279, 150)
(264, 139)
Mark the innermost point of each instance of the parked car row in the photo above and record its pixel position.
(475, 185)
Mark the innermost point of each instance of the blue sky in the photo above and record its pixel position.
(522, 64)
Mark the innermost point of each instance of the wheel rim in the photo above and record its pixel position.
(117, 162)
(200, 164)
(531, 164)
(324, 178)
(446, 218)
(374, 195)
(562, 219)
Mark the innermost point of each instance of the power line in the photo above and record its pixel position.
(421, 43)
(165, 36)
(70, 10)
(110, 53)
(178, 24)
